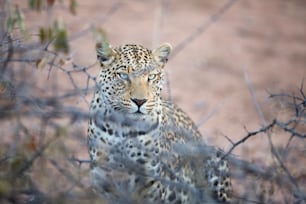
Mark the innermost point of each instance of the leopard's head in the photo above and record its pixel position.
(131, 76)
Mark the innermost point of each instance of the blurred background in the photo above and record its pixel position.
(235, 67)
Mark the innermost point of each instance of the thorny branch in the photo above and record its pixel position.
(250, 134)
(291, 127)
(275, 122)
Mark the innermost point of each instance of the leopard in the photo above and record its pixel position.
(143, 148)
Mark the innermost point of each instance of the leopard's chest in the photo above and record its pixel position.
(117, 137)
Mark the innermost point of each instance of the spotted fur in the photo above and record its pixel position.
(133, 132)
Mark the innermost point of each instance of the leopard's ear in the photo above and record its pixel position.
(105, 53)
(162, 53)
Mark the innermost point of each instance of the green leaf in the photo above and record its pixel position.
(61, 38)
(42, 35)
(35, 4)
(61, 41)
(32, 4)
(49, 34)
(20, 19)
(13, 18)
(5, 188)
(73, 6)
(10, 22)
(100, 35)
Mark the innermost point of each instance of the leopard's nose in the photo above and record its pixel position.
(138, 102)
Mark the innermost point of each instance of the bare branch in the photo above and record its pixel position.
(249, 135)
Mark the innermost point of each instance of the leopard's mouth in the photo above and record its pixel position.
(138, 112)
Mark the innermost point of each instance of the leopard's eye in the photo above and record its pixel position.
(151, 77)
(123, 76)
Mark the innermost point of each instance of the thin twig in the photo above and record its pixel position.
(250, 134)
